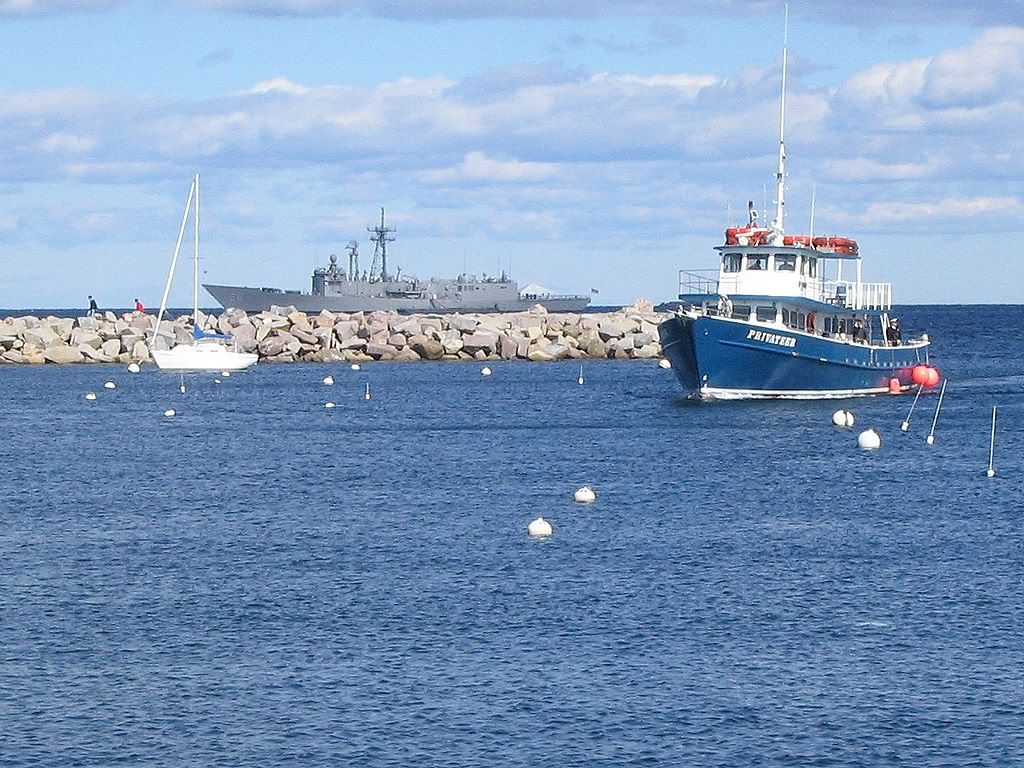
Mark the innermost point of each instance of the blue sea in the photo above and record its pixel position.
(260, 581)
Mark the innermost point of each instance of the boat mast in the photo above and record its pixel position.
(174, 261)
(380, 241)
(780, 175)
(195, 269)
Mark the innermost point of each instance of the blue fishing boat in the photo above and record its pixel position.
(768, 323)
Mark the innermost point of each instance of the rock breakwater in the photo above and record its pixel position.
(286, 335)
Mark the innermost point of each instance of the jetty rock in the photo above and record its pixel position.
(283, 334)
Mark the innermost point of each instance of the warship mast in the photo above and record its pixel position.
(380, 242)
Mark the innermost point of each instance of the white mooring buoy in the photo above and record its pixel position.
(935, 419)
(843, 418)
(225, 374)
(354, 366)
(329, 405)
(906, 422)
(216, 381)
(181, 387)
(991, 471)
(539, 527)
(869, 440)
(485, 371)
(110, 385)
(133, 368)
(580, 379)
(328, 380)
(90, 395)
(664, 363)
(585, 495)
(169, 412)
(366, 394)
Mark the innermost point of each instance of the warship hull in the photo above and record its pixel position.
(262, 299)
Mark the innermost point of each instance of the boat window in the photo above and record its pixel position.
(757, 262)
(785, 316)
(766, 314)
(828, 326)
(812, 267)
(732, 262)
(741, 311)
(785, 262)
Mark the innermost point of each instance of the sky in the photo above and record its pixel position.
(581, 144)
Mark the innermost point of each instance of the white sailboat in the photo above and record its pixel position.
(208, 351)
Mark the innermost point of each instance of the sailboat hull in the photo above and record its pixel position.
(202, 357)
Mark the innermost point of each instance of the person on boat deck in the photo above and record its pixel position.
(751, 214)
(810, 322)
(859, 334)
(892, 333)
(93, 308)
(139, 307)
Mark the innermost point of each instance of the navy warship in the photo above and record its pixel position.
(350, 290)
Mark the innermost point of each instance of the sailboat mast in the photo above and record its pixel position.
(174, 261)
(780, 175)
(195, 269)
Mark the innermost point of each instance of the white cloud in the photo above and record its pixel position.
(62, 142)
(476, 166)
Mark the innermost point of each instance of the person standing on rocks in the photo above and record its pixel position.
(93, 309)
(139, 307)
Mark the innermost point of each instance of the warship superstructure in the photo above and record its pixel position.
(337, 289)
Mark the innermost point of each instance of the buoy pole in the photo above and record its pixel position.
(992, 446)
(580, 379)
(906, 423)
(366, 394)
(938, 407)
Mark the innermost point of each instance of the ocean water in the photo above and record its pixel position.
(260, 581)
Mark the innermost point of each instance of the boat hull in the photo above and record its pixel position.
(722, 358)
(262, 299)
(202, 357)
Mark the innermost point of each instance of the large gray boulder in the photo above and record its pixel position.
(62, 353)
(140, 351)
(463, 323)
(80, 336)
(381, 351)
(272, 346)
(507, 347)
(428, 349)
(111, 347)
(485, 341)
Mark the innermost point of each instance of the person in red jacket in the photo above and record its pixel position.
(139, 307)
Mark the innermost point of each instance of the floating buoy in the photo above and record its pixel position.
(926, 375)
(580, 379)
(225, 374)
(90, 395)
(169, 412)
(664, 363)
(328, 380)
(328, 405)
(133, 368)
(894, 386)
(216, 381)
(539, 527)
(843, 418)
(906, 423)
(110, 385)
(354, 366)
(991, 471)
(366, 394)
(869, 440)
(938, 407)
(585, 495)
(182, 389)
(485, 371)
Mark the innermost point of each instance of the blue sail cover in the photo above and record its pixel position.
(198, 334)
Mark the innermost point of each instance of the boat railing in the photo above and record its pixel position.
(698, 281)
(853, 295)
